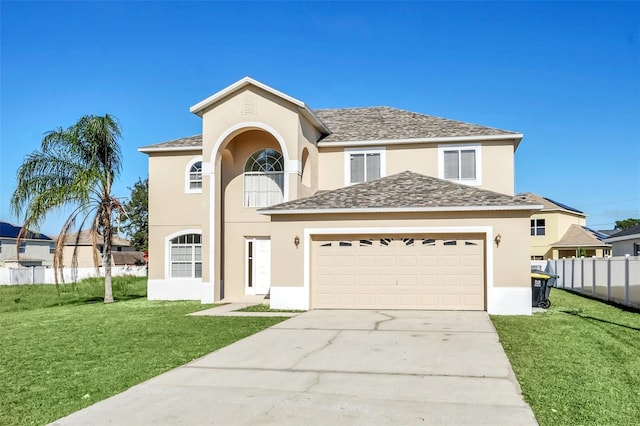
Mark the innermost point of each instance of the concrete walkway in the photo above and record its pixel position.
(231, 310)
(336, 368)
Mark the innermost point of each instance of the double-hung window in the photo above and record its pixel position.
(185, 254)
(537, 227)
(364, 165)
(460, 163)
(193, 176)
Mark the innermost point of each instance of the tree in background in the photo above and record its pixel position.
(74, 168)
(627, 223)
(136, 225)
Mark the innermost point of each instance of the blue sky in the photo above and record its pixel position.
(566, 75)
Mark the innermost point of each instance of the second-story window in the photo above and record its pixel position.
(459, 163)
(264, 178)
(23, 247)
(363, 165)
(193, 176)
(537, 227)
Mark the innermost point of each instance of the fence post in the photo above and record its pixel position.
(626, 280)
(582, 274)
(33, 274)
(573, 268)
(609, 278)
(593, 277)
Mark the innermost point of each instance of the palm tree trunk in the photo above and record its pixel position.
(108, 292)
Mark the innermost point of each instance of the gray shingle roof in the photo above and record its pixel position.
(403, 191)
(188, 142)
(580, 236)
(625, 232)
(548, 203)
(372, 124)
(376, 123)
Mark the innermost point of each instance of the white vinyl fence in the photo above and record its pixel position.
(615, 279)
(42, 275)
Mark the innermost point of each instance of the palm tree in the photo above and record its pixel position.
(74, 169)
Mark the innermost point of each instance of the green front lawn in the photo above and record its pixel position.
(58, 356)
(578, 363)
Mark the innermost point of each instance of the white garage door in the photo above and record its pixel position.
(398, 272)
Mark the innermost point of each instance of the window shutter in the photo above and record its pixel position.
(451, 165)
(373, 166)
(468, 164)
(357, 168)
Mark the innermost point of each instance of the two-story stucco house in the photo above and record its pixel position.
(35, 249)
(337, 208)
(558, 231)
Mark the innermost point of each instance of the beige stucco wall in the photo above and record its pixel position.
(171, 208)
(557, 222)
(497, 166)
(511, 259)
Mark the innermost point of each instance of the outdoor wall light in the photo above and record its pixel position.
(296, 241)
(497, 239)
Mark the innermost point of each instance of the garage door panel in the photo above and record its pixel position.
(398, 272)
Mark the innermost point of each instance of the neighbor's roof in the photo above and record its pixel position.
(548, 203)
(376, 126)
(406, 191)
(85, 239)
(8, 230)
(392, 124)
(581, 236)
(625, 234)
(128, 258)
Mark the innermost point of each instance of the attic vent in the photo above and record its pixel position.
(249, 106)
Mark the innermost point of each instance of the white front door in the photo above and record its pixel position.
(258, 265)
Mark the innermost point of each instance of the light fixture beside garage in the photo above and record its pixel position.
(497, 239)
(296, 241)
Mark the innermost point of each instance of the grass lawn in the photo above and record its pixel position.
(578, 363)
(57, 357)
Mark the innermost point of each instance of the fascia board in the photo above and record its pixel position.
(622, 238)
(148, 150)
(515, 137)
(401, 210)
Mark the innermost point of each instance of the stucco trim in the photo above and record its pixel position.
(267, 211)
(509, 137)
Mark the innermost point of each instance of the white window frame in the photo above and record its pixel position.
(535, 227)
(461, 147)
(373, 150)
(167, 251)
(187, 176)
(278, 174)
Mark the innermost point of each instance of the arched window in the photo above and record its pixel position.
(185, 256)
(193, 175)
(264, 178)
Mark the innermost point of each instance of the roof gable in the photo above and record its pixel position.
(581, 236)
(201, 106)
(406, 191)
(392, 124)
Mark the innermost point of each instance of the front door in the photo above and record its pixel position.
(258, 265)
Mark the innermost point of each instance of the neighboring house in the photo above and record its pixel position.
(338, 208)
(550, 224)
(82, 243)
(580, 241)
(625, 242)
(35, 249)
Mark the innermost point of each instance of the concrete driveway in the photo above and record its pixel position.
(336, 368)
